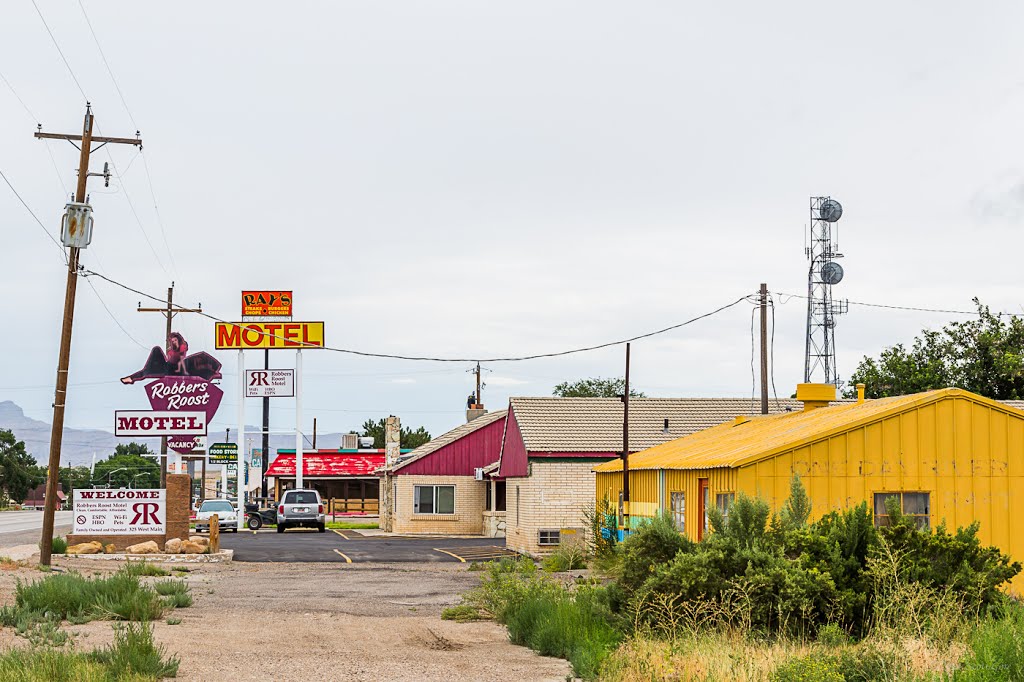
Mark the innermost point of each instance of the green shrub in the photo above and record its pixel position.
(169, 587)
(145, 569)
(809, 669)
(463, 613)
(832, 635)
(652, 544)
(133, 651)
(174, 621)
(179, 600)
(996, 649)
(569, 558)
(59, 545)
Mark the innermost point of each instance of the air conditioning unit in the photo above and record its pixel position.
(365, 442)
(478, 473)
(349, 441)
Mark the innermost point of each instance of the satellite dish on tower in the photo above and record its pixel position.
(831, 210)
(831, 272)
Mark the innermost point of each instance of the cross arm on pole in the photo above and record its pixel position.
(95, 138)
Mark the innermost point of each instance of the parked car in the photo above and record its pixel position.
(301, 509)
(227, 515)
(260, 512)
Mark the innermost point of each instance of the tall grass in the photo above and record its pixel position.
(132, 657)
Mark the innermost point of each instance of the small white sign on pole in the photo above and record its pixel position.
(269, 383)
(120, 512)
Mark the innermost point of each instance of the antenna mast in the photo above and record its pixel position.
(824, 272)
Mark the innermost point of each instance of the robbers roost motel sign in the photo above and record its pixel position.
(120, 512)
(253, 335)
(134, 423)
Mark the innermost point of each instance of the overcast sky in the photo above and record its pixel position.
(480, 179)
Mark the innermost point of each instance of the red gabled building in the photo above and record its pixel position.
(345, 478)
(443, 487)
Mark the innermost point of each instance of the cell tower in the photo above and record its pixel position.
(820, 356)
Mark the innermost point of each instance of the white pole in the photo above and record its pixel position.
(92, 467)
(239, 473)
(298, 418)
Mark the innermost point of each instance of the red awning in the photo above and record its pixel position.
(325, 465)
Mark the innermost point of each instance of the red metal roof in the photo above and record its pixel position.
(326, 464)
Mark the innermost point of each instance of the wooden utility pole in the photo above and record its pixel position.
(625, 449)
(478, 397)
(265, 445)
(169, 312)
(86, 139)
(764, 348)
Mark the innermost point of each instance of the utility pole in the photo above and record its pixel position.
(764, 348)
(86, 139)
(169, 312)
(625, 449)
(478, 402)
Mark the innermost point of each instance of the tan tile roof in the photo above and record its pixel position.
(458, 432)
(595, 424)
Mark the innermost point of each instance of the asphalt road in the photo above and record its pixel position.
(23, 527)
(349, 546)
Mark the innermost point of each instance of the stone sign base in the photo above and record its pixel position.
(179, 497)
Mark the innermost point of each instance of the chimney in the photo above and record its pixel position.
(392, 440)
(814, 396)
(860, 393)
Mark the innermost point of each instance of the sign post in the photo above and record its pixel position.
(239, 488)
(298, 418)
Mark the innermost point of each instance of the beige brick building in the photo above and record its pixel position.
(441, 487)
(551, 445)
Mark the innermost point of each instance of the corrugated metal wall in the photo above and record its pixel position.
(968, 456)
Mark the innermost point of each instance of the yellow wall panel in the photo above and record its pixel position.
(1015, 448)
(837, 454)
(1001, 520)
(980, 436)
(945, 450)
(819, 458)
(926, 442)
(909, 460)
(962, 438)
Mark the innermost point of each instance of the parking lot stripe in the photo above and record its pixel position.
(444, 551)
(347, 560)
(334, 530)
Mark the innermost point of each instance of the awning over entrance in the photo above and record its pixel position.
(323, 465)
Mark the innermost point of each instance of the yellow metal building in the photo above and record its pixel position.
(948, 455)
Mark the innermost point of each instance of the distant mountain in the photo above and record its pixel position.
(78, 445)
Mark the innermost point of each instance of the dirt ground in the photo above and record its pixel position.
(321, 622)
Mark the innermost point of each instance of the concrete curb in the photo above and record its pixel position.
(222, 556)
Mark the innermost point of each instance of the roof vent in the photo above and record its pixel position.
(814, 396)
(665, 429)
(742, 419)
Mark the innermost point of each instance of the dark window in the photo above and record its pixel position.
(549, 537)
(916, 505)
(303, 497)
(499, 494)
(433, 499)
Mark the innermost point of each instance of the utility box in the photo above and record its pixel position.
(76, 227)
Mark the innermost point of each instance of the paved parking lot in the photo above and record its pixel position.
(350, 546)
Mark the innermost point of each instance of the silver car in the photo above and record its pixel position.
(227, 516)
(301, 509)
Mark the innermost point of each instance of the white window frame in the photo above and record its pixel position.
(678, 513)
(434, 512)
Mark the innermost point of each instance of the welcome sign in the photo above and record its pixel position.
(120, 512)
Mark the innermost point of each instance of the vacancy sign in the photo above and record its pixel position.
(159, 423)
(120, 512)
(269, 383)
(252, 335)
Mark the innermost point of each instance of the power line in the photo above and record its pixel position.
(106, 64)
(112, 317)
(59, 51)
(18, 97)
(32, 213)
(902, 307)
(131, 205)
(88, 273)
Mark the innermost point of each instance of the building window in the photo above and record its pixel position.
(916, 505)
(499, 497)
(434, 499)
(549, 537)
(724, 501)
(678, 501)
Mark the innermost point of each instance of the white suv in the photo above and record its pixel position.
(301, 509)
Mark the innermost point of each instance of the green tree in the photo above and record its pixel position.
(75, 478)
(19, 471)
(595, 387)
(408, 439)
(983, 355)
(128, 468)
